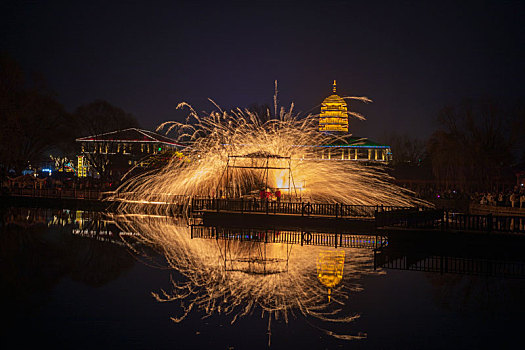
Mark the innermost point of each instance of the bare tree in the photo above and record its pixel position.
(100, 116)
(406, 149)
(473, 145)
(33, 122)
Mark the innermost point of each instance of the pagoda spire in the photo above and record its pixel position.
(334, 86)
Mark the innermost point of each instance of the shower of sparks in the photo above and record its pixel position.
(289, 140)
(215, 280)
(224, 276)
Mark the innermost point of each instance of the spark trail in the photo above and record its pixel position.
(214, 136)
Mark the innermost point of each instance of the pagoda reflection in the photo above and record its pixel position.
(330, 264)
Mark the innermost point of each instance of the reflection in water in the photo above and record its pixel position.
(38, 249)
(452, 264)
(483, 276)
(279, 274)
(330, 264)
(238, 275)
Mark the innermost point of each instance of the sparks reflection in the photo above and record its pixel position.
(248, 273)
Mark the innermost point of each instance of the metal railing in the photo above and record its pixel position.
(457, 265)
(294, 208)
(289, 237)
(446, 220)
(487, 223)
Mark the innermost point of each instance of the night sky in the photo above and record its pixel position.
(410, 58)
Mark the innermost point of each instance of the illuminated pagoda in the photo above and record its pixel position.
(333, 120)
(334, 114)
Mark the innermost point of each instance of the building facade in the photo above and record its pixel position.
(113, 153)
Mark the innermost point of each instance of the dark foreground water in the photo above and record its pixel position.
(66, 282)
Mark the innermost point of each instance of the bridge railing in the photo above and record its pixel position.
(446, 220)
(294, 208)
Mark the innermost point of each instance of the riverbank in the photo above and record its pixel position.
(64, 202)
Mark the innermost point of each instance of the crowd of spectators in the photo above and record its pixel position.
(514, 198)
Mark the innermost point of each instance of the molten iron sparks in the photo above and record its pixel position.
(289, 142)
(286, 142)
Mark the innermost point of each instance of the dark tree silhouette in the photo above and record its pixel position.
(518, 130)
(33, 122)
(406, 150)
(473, 144)
(100, 116)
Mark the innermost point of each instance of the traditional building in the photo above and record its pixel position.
(333, 119)
(355, 148)
(119, 150)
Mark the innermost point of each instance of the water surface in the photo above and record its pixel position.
(70, 280)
